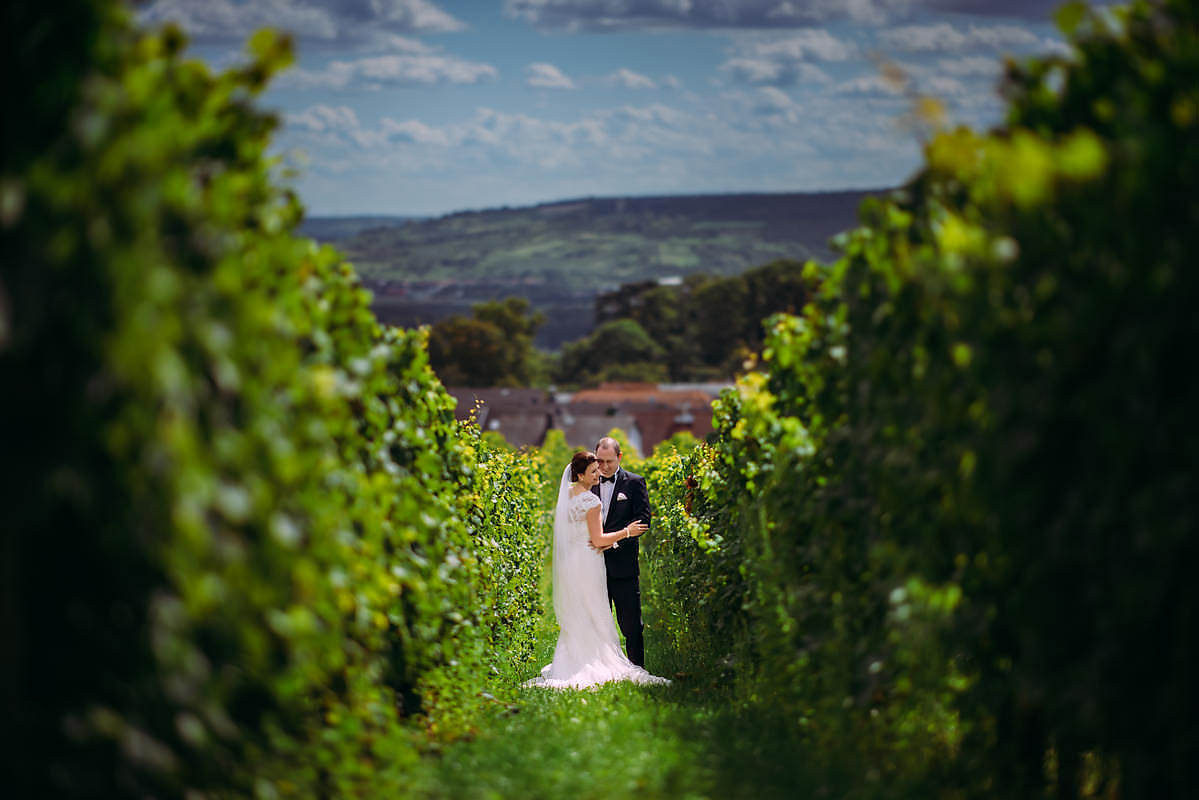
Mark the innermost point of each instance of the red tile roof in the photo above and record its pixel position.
(614, 393)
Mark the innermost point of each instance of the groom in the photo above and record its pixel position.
(624, 499)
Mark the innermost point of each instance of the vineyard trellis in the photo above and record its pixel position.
(939, 544)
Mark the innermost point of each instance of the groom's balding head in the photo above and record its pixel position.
(609, 443)
(607, 452)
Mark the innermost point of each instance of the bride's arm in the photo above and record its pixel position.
(601, 539)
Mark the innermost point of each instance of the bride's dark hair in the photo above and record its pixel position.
(580, 462)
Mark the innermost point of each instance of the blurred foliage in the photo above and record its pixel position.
(619, 350)
(555, 454)
(511, 524)
(703, 328)
(941, 543)
(950, 527)
(692, 586)
(682, 442)
(247, 550)
(492, 347)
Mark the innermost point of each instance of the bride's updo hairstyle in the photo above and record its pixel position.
(580, 462)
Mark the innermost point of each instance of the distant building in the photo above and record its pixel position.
(583, 427)
(660, 410)
(648, 413)
(521, 416)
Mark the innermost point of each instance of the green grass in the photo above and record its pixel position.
(687, 740)
(617, 741)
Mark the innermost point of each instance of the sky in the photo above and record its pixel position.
(426, 107)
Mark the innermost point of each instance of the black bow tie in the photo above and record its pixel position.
(610, 479)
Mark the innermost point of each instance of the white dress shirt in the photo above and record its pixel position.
(606, 490)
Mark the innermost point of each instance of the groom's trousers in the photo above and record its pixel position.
(625, 594)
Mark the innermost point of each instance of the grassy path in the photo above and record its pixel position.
(619, 740)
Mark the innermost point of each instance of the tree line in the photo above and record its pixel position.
(703, 328)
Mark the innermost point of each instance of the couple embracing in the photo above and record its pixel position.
(601, 511)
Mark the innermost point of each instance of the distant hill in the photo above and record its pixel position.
(337, 229)
(561, 255)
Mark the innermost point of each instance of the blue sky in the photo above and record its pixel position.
(430, 106)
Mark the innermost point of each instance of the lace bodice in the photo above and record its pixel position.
(580, 504)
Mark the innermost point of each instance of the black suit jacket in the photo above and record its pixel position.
(622, 561)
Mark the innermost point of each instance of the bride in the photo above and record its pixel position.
(588, 650)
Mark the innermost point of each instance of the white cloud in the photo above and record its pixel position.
(547, 76)
(221, 19)
(426, 69)
(1000, 37)
(1057, 47)
(392, 43)
(584, 15)
(870, 85)
(339, 126)
(913, 80)
(971, 66)
(1014, 9)
(337, 23)
(634, 140)
(608, 15)
(632, 80)
(786, 61)
(416, 15)
(525, 139)
(775, 73)
(768, 104)
(415, 132)
(943, 86)
(916, 38)
(943, 37)
(321, 118)
(772, 99)
(758, 139)
(810, 45)
(655, 112)
(615, 135)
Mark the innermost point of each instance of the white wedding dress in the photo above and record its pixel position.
(588, 651)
